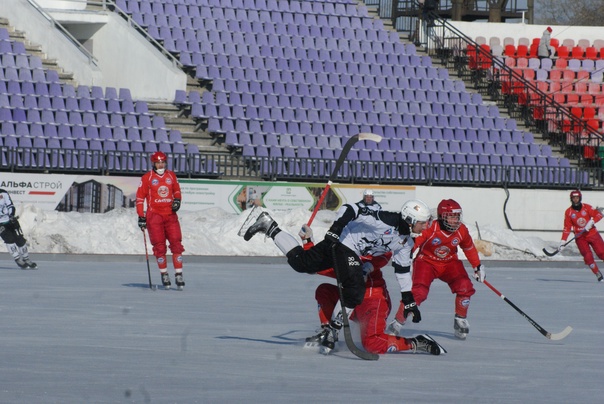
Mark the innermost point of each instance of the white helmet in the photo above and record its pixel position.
(368, 192)
(414, 211)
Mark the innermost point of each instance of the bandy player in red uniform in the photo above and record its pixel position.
(580, 218)
(437, 258)
(160, 189)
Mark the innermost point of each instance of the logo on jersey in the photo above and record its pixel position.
(455, 241)
(154, 181)
(168, 180)
(373, 247)
(581, 222)
(436, 241)
(163, 191)
(442, 252)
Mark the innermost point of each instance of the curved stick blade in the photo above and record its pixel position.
(370, 136)
(561, 335)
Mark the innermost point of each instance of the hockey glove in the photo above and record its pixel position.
(142, 222)
(305, 232)
(589, 225)
(479, 273)
(562, 245)
(332, 237)
(410, 306)
(175, 205)
(367, 269)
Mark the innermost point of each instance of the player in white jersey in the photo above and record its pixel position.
(11, 232)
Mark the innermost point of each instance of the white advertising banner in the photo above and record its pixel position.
(98, 194)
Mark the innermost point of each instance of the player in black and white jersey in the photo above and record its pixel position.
(11, 232)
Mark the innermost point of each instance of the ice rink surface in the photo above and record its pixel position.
(87, 329)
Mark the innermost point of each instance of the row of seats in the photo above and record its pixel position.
(378, 156)
(264, 16)
(194, 7)
(47, 130)
(561, 64)
(90, 144)
(555, 42)
(240, 139)
(283, 36)
(277, 114)
(242, 105)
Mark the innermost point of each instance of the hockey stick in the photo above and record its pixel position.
(347, 146)
(147, 255)
(551, 254)
(555, 337)
(346, 323)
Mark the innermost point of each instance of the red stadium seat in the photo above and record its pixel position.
(577, 52)
(591, 53)
(562, 52)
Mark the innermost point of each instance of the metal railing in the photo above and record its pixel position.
(208, 165)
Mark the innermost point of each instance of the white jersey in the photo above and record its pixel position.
(7, 208)
(376, 233)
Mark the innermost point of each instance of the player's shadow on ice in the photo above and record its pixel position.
(280, 339)
(137, 285)
(561, 280)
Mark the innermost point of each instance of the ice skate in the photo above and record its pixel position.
(264, 224)
(316, 340)
(461, 327)
(329, 342)
(395, 328)
(425, 343)
(599, 276)
(165, 280)
(22, 264)
(30, 264)
(180, 282)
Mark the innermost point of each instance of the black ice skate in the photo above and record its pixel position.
(325, 339)
(165, 279)
(425, 343)
(21, 263)
(264, 224)
(30, 264)
(599, 276)
(329, 342)
(180, 282)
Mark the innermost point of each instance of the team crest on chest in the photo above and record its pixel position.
(442, 251)
(154, 181)
(455, 241)
(163, 191)
(436, 241)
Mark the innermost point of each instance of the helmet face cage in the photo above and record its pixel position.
(450, 215)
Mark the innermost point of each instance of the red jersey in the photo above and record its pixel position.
(575, 220)
(440, 247)
(159, 191)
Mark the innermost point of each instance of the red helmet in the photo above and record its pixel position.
(573, 194)
(447, 209)
(158, 156)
